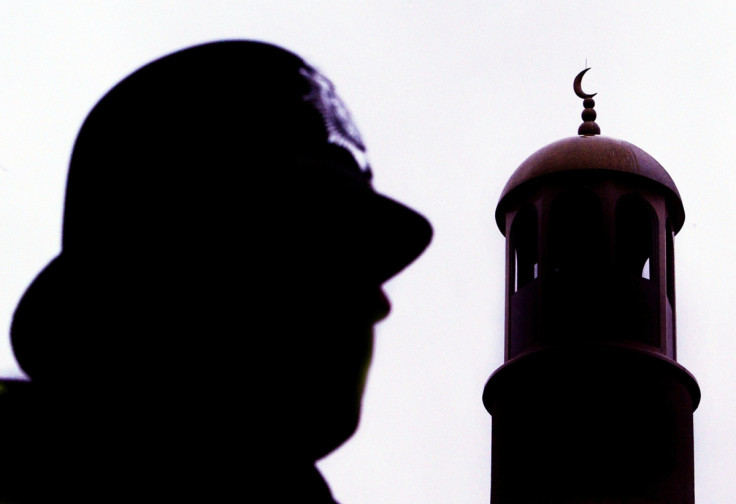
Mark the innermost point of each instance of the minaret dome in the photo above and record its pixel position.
(599, 155)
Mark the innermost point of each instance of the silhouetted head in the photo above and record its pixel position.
(222, 242)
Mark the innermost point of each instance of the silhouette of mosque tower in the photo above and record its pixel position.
(590, 405)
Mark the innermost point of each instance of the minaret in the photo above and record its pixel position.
(590, 405)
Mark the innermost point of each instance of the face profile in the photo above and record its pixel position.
(221, 270)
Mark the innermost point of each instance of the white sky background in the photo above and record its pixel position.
(450, 97)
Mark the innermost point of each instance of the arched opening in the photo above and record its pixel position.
(524, 292)
(670, 264)
(524, 247)
(635, 237)
(671, 332)
(634, 298)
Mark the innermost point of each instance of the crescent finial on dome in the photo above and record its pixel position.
(589, 127)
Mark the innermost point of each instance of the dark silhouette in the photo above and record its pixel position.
(206, 330)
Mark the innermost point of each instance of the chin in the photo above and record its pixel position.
(332, 433)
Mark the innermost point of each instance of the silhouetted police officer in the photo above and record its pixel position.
(206, 330)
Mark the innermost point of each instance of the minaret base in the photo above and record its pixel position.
(595, 425)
